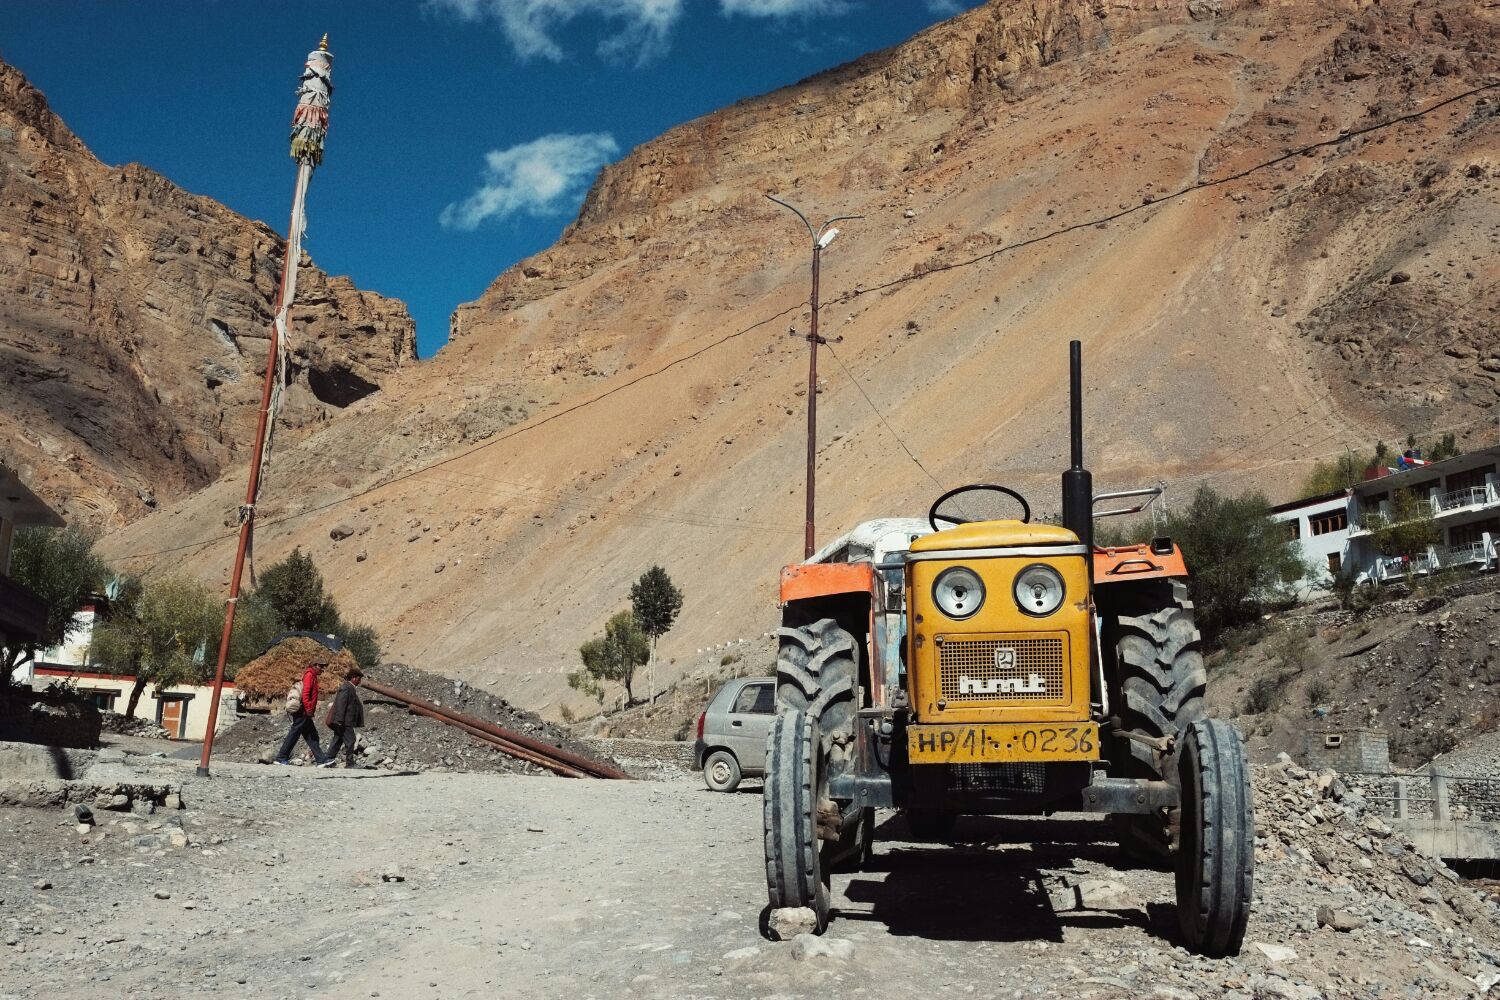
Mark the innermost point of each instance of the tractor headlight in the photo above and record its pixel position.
(959, 592)
(1039, 590)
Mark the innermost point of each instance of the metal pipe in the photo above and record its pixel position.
(593, 767)
(504, 746)
(1077, 483)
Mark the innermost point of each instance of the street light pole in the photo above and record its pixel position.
(821, 237)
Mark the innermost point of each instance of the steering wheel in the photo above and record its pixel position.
(932, 513)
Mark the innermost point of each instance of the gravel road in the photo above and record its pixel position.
(301, 883)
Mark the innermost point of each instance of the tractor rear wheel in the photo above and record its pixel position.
(816, 669)
(1160, 684)
(796, 781)
(1216, 859)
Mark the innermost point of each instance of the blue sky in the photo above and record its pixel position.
(463, 133)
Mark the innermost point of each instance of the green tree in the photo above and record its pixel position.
(655, 602)
(1341, 473)
(293, 588)
(290, 596)
(1444, 447)
(614, 656)
(255, 625)
(1407, 530)
(59, 566)
(1237, 556)
(164, 633)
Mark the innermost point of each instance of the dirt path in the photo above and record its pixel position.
(363, 884)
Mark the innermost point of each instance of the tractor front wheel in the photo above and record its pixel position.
(796, 784)
(1216, 854)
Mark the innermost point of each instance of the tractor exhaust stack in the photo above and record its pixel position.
(1077, 482)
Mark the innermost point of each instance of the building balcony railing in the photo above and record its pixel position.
(1466, 554)
(1480, 552)
(1474, 496)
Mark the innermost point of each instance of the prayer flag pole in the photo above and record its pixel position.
(309, 129)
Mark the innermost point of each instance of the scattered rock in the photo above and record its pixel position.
(1097, 894)
(339, 532)
(162, 894)
(1275, 952)
(1339, 920)
(787, 922)
(810, 946)
(41, 884)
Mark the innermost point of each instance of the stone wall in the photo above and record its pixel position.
(1359, 751)
(644, 755)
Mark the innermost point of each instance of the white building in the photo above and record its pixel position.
(182, 709)
(1462, 492)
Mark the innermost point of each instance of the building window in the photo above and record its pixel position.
(1335, 520)
(1335, 563)
(1466, 534)
(1293, 528)
(103, 700)
(1473, 479)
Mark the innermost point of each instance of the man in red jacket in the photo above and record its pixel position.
(302, 719)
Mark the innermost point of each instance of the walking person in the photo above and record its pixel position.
(345, 715)
(303, 714)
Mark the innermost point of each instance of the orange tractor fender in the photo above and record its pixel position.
(1120, 564)
(801, 581)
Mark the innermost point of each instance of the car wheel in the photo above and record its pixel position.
(721, 772)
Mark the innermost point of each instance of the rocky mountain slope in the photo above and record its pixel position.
(1424, 669)
(134, 320)
(1016, 168)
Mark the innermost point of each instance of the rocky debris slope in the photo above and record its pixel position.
(1425, 670)
(1344, 906)
(134, 320)
(1219, 327)
(396, 739)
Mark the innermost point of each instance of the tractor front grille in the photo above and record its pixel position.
(1024, 668)
(1002, 779)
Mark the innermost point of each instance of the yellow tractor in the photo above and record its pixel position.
(1002, 667)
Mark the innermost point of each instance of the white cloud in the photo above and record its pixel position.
(945, 8)
(541, 177)
(642, 28)
(783, 8)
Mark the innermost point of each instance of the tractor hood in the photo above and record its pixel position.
(993, 535)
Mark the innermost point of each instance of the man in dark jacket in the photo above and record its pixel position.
(345, 715)
(302, 717)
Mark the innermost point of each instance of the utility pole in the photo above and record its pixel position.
(309, 128)
(821, 237)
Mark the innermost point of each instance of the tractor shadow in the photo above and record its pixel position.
(994, 880)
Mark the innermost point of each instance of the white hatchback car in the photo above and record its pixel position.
(732, 732)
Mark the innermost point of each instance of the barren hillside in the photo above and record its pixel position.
(1016, 168)
(133, 326)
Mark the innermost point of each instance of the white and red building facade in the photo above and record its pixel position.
(1463, 493)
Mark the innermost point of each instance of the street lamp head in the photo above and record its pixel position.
(827, 238)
